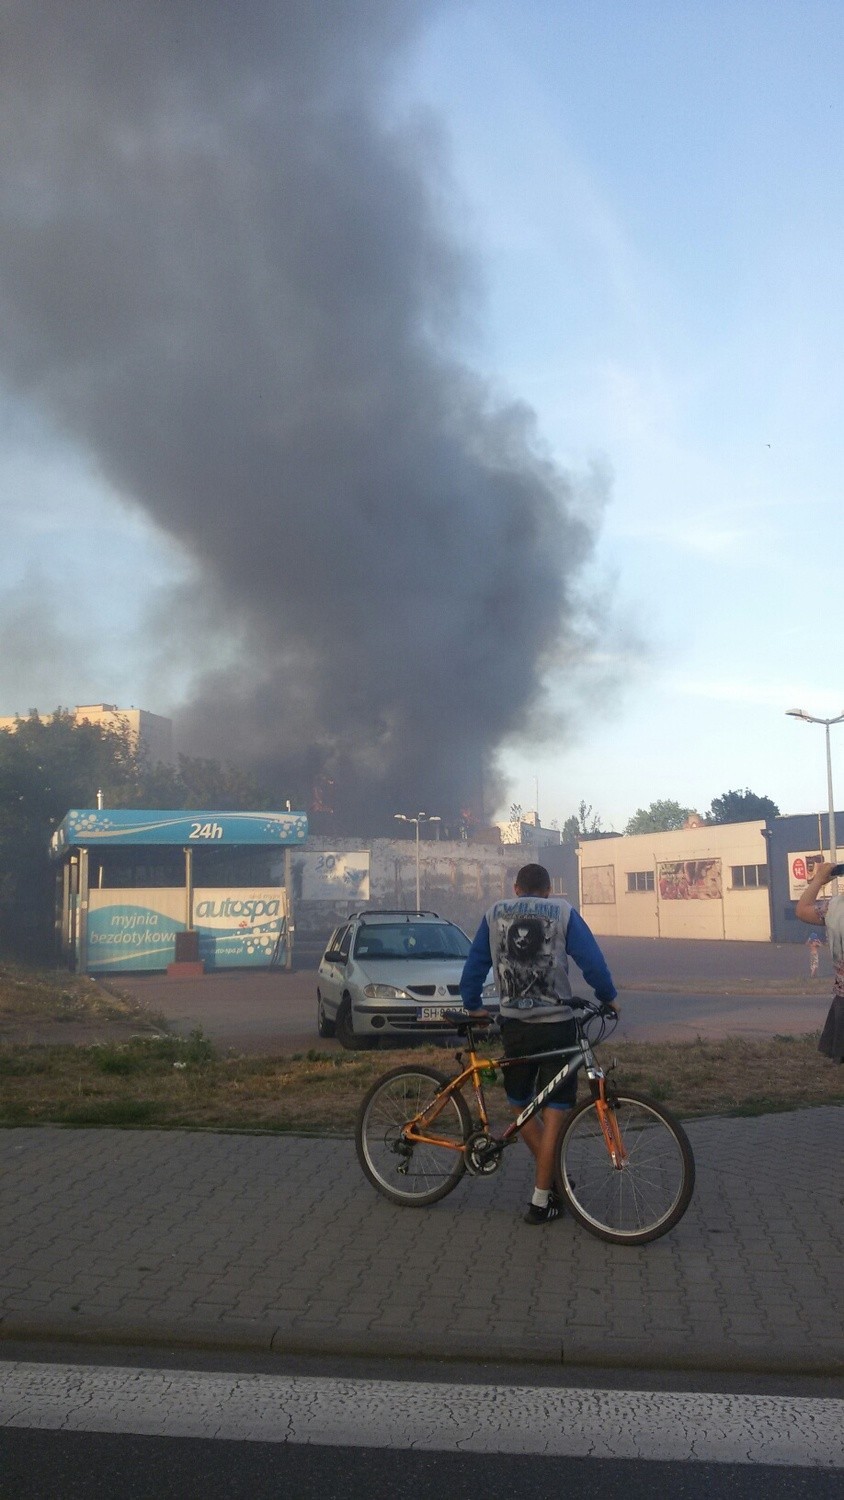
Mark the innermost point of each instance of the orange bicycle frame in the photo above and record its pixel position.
(415, 1130)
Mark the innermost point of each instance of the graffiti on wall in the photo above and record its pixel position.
(690, 880)
(598, 883)
(335, 877)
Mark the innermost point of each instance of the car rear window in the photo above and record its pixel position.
(411, 940)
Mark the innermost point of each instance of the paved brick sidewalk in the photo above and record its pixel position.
(279, 1243)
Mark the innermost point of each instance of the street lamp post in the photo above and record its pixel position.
(418, 820)
(800, 713)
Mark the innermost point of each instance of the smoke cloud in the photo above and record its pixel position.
(229, 275)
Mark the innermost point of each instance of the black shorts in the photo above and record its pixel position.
(523, 1081)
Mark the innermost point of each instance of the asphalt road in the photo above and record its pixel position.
(136, 1427)
(123, 1466)
(670, 991)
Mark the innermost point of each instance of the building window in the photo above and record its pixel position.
(749, 877)
(640, 880)
(558, 886)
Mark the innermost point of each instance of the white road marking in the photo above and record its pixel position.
(453, 1418)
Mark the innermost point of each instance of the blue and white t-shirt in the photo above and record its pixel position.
(528, 941)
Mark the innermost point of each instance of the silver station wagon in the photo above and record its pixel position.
(390, 974)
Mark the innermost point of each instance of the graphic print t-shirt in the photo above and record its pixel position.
(527, 939)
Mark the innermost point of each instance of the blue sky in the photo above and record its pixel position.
(653, 196)
(657, 191)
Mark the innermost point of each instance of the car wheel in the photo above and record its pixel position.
(325, 1028)
(344, 1033)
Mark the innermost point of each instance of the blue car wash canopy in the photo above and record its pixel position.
(132, 879)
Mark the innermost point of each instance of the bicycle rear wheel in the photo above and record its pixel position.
(649, 1193)
(406, 1172)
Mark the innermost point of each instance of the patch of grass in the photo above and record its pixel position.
(731, 1076)
(113, 1112)
(145, 1054)
(763, 1105)
(23, 1065)
(658, 1091)
(174, 1082)
(117, 1060)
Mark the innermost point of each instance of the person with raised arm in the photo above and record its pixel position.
(829, 914)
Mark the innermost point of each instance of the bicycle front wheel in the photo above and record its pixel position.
(648, 1193)
(412, 1173)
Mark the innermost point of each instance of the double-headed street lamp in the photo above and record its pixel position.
(800, 713)
(420, 818)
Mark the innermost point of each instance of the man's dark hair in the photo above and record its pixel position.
(534, 880)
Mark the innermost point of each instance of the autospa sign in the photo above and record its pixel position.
(241, 928)
(135, 930)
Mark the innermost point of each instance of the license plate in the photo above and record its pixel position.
(431, 1012)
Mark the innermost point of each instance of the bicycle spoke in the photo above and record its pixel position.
(406, 1170)
(644, 1196)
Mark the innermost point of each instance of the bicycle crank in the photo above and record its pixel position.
(481, 1154)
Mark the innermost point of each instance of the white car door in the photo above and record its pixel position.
(332, 970)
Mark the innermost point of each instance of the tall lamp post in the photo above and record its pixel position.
(419, 819)
(800, 713)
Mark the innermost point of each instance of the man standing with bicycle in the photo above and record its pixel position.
(528, 941)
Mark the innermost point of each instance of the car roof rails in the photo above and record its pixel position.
(388, 911)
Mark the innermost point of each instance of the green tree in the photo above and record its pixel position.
(660, 817)
(48, 767)
(584, 824)
(194, 782)
(741, 807)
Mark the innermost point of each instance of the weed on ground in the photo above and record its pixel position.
(170, 1082)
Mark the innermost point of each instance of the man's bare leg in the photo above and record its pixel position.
(541, 1135)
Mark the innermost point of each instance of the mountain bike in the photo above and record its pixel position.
(625, 1167)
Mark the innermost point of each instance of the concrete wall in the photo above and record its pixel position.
(611, 908)
(458, 880)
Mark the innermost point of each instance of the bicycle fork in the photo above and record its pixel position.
(607, 1119)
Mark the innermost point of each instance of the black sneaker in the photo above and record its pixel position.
(537, 1215)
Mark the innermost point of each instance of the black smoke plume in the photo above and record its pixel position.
(227, 271)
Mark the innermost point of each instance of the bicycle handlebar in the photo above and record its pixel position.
(593, 1007)
(463, 1018)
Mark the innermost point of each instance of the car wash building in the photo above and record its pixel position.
(147, 889)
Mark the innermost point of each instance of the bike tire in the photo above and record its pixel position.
(412, 1175)
(649, 1194)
